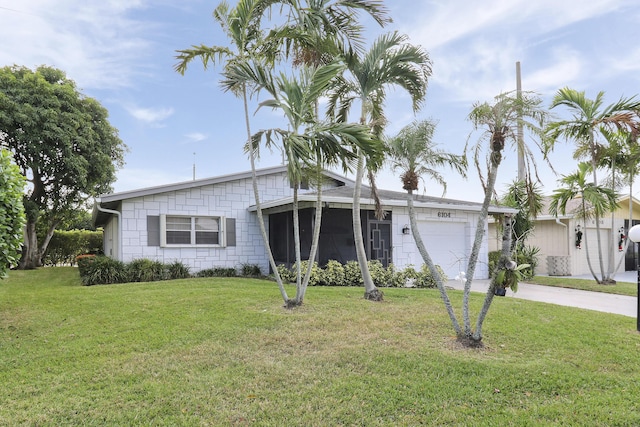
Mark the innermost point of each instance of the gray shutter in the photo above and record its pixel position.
(153, 231)
(230, 228)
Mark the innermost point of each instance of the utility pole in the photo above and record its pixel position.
(522, 173)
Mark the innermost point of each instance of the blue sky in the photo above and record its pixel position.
(121, 52)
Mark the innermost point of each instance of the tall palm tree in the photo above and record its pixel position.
(589, 118)
(595, 201)
(391, 61)
(316, 31)
(307, 143)
(498, 122)
(414, 153)
(241, 25)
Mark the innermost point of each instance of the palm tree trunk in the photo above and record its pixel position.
(254, 181)
(296, 239)
(496, 158)
(505, 257)
(586, 247)
(429, 262)
(597, 216)
(314, 240)
(370, 290)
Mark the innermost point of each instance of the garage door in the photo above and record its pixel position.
(447, 245)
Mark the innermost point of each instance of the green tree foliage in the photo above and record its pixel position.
(11, 212)
(63, 143)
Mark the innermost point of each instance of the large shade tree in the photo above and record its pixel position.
(390, 61)
(11, 212)
(63, 143)
(589, 117)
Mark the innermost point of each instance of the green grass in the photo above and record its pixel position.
(217, 351)
(620, 288)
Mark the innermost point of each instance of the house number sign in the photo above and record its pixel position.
(444, 214)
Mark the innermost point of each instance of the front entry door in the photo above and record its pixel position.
(380, 241)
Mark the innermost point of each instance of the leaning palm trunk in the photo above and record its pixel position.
(254, 180)
(429, 262)
(505, 259)
(496, 158)
(371, 292)
(296, 240)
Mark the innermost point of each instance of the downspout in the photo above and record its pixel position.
(568, 237)
(119, 215)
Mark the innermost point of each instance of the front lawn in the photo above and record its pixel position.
(215, 351)
(620, 288)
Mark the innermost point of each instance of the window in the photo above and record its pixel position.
(185, 230)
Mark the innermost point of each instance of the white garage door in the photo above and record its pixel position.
(447, 245)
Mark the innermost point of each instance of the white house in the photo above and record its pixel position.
(212, 222)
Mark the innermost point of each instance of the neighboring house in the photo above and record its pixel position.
(562, 240)
(212, 222)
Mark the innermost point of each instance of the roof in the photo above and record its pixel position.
(124, 195)
(574, 205)
(342, 194)
(388, 198)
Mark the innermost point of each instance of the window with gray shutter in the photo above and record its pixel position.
(231, 231)
(153, 231)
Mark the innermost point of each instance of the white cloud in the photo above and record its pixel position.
(150, 115)
(196, 137)
(96, 43)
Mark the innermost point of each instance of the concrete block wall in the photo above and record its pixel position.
(230, 199)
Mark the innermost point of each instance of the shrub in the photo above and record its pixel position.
(352, 274)
(66, 245)
(316, 273)
(218, 272)
(426, 280)
(285, 274)
(494, 257)
(379, 274)
(102, 270)
(250, 270)
(528, 255)
(177, 270)
(84, 262)
(333, 274)
(145, 270)
(408, 277)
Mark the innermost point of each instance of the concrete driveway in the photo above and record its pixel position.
(597, 301)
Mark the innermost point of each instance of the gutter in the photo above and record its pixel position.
(119, 215)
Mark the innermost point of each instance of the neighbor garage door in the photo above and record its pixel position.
(446, 243)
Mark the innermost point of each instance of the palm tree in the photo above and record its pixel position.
(390, 61)
(414, 153)
(595, 201)
(308, 143)
(590, 117)
(242, 27)
(316, 31)
(498, 122)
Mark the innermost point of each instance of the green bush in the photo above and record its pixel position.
(250, 270)
(381, 276)
(426, 280)
(333, 274)
(352, 274)
(218, 272)
(177, 270)
(285, 274)
(494, 257)
(102, 270)
(145, 270)
(12, 217)
(65, 246)
(316, 273)
(528, 255)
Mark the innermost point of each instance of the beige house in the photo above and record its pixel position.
(563, 240)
